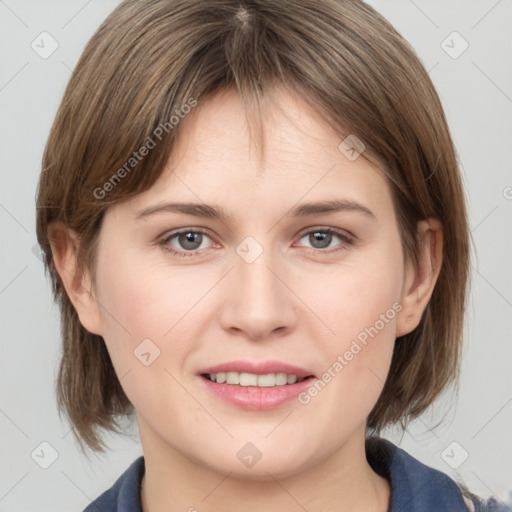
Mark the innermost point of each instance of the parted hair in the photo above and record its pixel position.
(150, 58)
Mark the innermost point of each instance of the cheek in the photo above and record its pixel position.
(149, 308)
(359, 297)
(361, 309)
(357, 362)
(148, 321)
(141, 299)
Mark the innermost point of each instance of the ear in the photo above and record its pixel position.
(64, 243)
(419, 282)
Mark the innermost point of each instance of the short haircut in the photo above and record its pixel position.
(150, 58)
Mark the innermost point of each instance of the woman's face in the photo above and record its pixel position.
(276, 285)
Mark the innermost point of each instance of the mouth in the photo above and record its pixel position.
(256, 386)
(268, 380)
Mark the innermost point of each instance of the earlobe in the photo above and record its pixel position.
(64, 244)
(419, 282)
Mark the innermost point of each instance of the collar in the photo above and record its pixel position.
(415, 487)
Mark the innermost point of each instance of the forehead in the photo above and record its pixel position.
(215, 162)
(294, 132)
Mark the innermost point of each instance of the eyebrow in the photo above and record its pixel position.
(216, 212)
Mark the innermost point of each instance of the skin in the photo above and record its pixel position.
(297, 303)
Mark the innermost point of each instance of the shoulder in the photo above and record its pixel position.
(124, 495)
(417, 487)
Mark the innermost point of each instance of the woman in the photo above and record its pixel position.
(253, 219)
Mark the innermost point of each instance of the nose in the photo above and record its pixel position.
(259, 302)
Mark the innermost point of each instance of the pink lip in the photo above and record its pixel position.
(253, 397)
(262, 368)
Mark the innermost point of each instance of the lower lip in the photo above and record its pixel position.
(256, 398)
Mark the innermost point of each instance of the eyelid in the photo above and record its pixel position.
(171, 234)
(163, 241)
(337, 231)
(179, 231)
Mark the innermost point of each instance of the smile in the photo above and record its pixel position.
(268, 380)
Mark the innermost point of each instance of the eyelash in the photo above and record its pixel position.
(164, 242)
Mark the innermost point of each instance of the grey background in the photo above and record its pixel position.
(476, 90)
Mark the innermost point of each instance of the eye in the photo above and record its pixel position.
(321, 238)
(189, 242)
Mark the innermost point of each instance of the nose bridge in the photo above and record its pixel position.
(258, 301)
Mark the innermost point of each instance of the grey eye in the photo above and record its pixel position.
(320, 239)
(190, 240)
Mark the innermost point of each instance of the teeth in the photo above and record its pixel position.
(250, 379)
(291, 379)
(232, 378)
(282, 379)
(267, 381)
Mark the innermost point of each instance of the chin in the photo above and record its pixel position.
(244, 461)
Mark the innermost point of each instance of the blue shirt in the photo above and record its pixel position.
(414, 486)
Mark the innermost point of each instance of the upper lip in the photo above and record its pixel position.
(258, 368)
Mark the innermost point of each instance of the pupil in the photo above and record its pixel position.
(187, 240)
(323, 238)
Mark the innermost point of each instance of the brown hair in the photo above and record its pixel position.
(149, 58)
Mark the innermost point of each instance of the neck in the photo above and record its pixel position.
(344, 481)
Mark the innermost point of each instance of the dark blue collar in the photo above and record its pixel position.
(414, 486)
